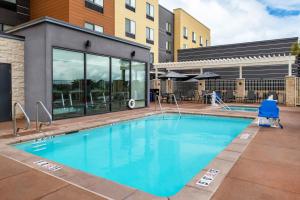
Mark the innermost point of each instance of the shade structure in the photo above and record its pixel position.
(207, 75)
(192, 80)
(172, 74)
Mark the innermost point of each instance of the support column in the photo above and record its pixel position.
(169, 86)
(290, 90)
(241, 88)
(290, 66)
(241, 72)
(156, 84)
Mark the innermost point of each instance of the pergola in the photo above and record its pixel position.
(265, 60)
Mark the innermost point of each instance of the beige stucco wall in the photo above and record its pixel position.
(141, 22)
(183, 19)
(12, 52)
(290, 90)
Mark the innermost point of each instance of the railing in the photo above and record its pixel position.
(38, 123)
(221, 102)
(175, 100)
(159, 103)
(15, 128)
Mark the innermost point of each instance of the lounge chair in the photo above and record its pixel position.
(251, 97)
(229, 96)
(269, 114)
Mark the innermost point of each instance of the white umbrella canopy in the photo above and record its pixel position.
(207, 75)
(172, 74)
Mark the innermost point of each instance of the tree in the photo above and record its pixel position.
(296, 49)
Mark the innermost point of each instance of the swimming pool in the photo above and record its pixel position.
(244, 108)
(153, 154)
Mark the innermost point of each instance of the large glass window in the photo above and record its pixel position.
(97, 77)
(138, 83)
(120, 84)
(68, 84)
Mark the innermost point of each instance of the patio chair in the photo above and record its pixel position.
(229, 96)
(251, 97)
(269, 114)
(164, 97)
(275, 96)
(189, 95)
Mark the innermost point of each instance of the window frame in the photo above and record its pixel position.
(90, 4)
(130, 6)
(149, 40)
(130, 34)
(150, 15)
(93, 27)
(185, 32)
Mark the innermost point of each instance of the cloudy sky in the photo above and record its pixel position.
(234, 21)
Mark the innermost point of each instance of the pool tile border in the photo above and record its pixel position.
(111, 190)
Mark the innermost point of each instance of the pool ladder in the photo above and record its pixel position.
(222, 103)
(39, 124)
(160, 107)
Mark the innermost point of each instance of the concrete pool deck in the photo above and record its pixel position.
(260, 172)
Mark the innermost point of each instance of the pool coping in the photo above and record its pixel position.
(112, 190)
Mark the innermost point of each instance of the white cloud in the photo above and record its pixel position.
(233, 21)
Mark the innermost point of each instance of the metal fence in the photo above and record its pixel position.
(220, 85)
(261, 89)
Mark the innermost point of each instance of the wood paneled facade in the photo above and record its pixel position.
(75, 12)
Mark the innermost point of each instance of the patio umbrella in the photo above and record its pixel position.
(192, 80)
(172, 74)
(207, 75)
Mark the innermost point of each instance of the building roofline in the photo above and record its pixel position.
(10, 36)
(160, 6)
(240, 43)
(192, 17)
(51, 20)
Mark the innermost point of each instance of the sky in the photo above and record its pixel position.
(233, 21)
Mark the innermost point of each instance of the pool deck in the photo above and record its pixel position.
(265, 167)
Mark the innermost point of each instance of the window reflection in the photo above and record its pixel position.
(68, 84)
(120, 84)
(138, 83)
(97, 75)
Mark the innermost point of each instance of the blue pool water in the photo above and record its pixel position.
(152, 154)
(243, 108)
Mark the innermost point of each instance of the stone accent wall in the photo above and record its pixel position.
(240, 88)
(12, 52)
(290, 90)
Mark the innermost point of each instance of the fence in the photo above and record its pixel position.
(263, 88)
(220, 85)
(297, 91)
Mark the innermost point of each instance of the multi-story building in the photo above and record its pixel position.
(97, 15)
(137, 20)
(12, 13)
(189, 32)
(166, 35)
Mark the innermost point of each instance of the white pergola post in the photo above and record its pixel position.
(241, 72)
(290, 65)
(156, 73)
(201, 70)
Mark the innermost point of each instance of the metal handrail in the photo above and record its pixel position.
(175, 100)
(38, 123)
(159, 103)
(221, 102)
(15, 128)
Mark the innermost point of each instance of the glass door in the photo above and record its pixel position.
(138, 83)
(97, 77)
(68, 84)
(120, 73)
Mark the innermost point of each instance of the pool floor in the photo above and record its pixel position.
(155, 154)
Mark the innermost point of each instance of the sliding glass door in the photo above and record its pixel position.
(68, 84)
(120, 80)
(97, 77)
(87, 84)
(138, 83)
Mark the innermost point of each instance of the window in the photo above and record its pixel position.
(5, 27)
(96, 5)
(201, 41)
(93, 27)
(150, 11)
(185, 46)
(138, 83)
(168, 46)
(130, 4)
(168, 27)
(9, 4)
(207, 43)
(130, 28)
(185, 33)
(194, 37)
(149, 35)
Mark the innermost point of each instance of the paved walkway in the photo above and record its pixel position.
(268, 169)
(270, 166)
